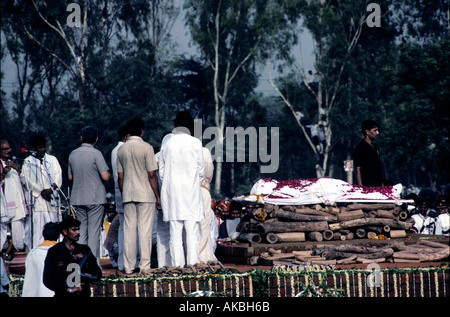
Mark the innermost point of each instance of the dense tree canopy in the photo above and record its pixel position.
(121, 63)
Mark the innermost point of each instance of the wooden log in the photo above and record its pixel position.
(371, 206)
(323, 262)
(290, 236)
(315, 236)
(288, 208)
(376, 229)
(308, 258)
(274, 251)
(375, 260)
(310, 211)
(349, 236)
(403, 215)
(382, 213)
(283, 214)
(440, 255)
(433, 244)
(386, 229)
(349, 260)
(360, 233)
(295, 226)
(349, 215)
(353, 248)
(393, 223)
(302, 253)
(371, 235)
(278, 256)
(250, 237)
(243, 226)
(272, 238)
(397, 234)
(406, 255)
(399, 260)
(337, 235)
(328, 235)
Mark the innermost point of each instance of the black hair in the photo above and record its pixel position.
(135, 126)
(51, 231)
(368, 125)
(37, 140)
(184, 120)
(89, 134)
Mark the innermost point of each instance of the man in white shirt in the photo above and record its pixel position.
(33, 285)
(443, 220)
(181, 168)
(41, 175)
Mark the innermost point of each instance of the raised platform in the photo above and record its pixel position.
(247, 253)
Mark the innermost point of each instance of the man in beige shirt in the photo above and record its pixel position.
(138, 182)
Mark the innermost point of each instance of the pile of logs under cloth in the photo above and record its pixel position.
(287, 223)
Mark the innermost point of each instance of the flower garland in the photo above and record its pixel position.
(257, 283)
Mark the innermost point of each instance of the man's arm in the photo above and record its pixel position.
(105, 176)
(120, 181)
(153, 180)
(358, 175)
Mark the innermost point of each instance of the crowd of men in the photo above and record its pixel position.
(167, 192)
(161, 199)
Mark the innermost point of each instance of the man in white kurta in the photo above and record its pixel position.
(181, 169)
(42, 175)
(162, 227)
(13, 208)
(33, 285)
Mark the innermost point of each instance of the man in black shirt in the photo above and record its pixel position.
(69, 266)
(366, 157)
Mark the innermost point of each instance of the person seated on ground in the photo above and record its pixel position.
(111, 243)
(33, 285)
(70, 267)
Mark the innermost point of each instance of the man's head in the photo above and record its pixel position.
(370, 129)
(5, 150)
(89, 135)
(70, 229)
(184, 122)
(136, 127)
(123, 133)
(39, 144)
(427, 200)
(51, 231)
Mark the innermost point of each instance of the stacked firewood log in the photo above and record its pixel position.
(285, 223)
(347, 253)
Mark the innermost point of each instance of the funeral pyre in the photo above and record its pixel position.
(329, 209)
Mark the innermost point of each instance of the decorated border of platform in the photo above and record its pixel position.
(281, 281)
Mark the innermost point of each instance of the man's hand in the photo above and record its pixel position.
(47, 194)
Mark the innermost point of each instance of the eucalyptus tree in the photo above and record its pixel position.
(231, 36)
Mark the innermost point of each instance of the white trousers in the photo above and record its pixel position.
(162, 240)
(177, 251)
